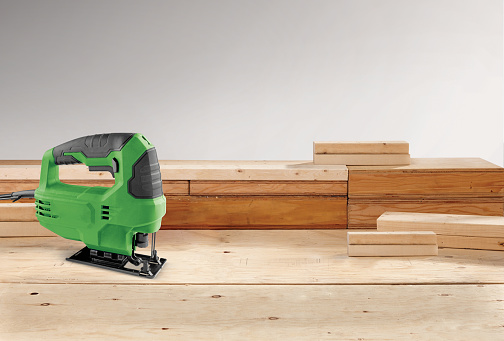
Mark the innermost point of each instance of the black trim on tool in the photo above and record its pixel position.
(145, 182)
(92, 146)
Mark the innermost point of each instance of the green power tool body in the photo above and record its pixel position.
(111, 221)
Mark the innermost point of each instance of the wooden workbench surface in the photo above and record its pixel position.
(243, 284)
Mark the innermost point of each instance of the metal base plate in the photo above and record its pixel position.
(116, 262)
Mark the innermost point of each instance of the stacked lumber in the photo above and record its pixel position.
(392, 244)
(297, 194)
(361, 153)
(223, 194)
(453, 231)
(441, 185)
(256, 194)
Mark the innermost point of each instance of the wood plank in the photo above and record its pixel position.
(230, 312)
(20, 162)
(268, 187)
(475, 243)
(433, 165)
(255, 212)
(443, 224)
(362, 213)
(361, 147)
(24, 229)
(391, 250)
(169, 187)
(250, 257)
(200, 170)
(426, 184)
(361, 159)
(264, 170)
(17, 212)
(392, 238)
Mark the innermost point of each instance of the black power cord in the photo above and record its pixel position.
(15, 196)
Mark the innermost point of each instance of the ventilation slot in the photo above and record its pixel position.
(43, 209)
(105, 212)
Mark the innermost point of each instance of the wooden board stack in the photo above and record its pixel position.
(442, 185)
(221, 194)
(391, 244)
(453, 231)
(296, 194)
(361, 153)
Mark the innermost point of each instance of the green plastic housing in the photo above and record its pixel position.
(104, 218)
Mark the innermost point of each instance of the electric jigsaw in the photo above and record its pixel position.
(111, 221)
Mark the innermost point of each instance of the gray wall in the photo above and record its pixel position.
(253, 79)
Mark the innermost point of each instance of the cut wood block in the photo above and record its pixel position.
(268, 187)
(457, 177)
(392, 238)
(443, 224)
(392, 250)
(17, 212)
(361, 147)
(24, 229)
(475, 243)
(362, 213)
(361, 159)
(255, 212)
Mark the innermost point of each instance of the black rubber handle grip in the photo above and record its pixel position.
(92, 146)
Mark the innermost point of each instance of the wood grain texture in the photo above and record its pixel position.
(17, 212)
(255, 212)
(268, 188)
(475, 243)
(260, 170)
(361, 159)
(24, 229)
(426, 184)
(364, 212)
(391, 250)
(434, 165)
(392, 238)
(248, 312)
(443, 224)
(250, 257)
(175, 187)
(361, 147)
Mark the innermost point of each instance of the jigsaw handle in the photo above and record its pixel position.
(92, 146)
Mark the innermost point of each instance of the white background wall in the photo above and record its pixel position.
(261, 79)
